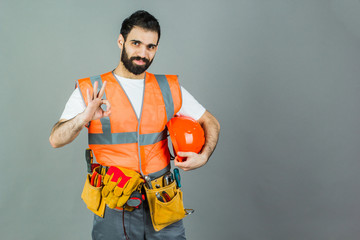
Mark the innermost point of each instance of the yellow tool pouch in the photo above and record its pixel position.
(168, 211)
(92, 196)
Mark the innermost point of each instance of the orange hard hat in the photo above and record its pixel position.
(186, 135)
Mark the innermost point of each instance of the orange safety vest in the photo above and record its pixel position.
(119, 140)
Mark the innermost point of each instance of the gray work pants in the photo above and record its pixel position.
(138, 226)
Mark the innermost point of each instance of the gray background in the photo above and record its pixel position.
(281, 76)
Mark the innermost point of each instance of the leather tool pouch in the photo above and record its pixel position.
(168, 211)
(92, 196)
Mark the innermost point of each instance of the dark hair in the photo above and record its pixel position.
(141, 19)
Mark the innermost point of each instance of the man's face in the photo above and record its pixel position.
(139, 50)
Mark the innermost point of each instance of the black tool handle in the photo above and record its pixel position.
(89, 159)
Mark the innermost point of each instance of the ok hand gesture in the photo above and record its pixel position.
(93, 110)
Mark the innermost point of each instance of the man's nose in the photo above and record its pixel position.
(142, 52)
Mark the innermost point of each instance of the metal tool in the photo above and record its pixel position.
(148, 182)
(159, 197)
(189, 211)
(168, 179)
(177, 177)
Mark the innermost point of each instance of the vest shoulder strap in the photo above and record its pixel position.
(167, 96)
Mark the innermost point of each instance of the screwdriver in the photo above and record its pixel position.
(177, 177)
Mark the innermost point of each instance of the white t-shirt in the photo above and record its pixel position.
(134, 89)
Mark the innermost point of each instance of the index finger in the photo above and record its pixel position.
(185, 154)
(102, 90)
(181, 165)
(96, 84)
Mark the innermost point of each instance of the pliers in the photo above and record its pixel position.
(95, 177)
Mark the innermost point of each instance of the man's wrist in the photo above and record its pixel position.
(81, 120)
(205, 156)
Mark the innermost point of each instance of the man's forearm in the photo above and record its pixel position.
(211, 129)
(65, 131)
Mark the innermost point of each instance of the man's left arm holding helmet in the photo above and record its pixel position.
(211, 128)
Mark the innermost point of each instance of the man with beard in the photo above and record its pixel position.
(128, 131)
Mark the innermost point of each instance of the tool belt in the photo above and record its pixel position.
(165, 198)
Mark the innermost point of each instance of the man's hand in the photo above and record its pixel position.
(93, 110)
(192, 160)
(65, 131)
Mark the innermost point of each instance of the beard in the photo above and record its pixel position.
(132, 67)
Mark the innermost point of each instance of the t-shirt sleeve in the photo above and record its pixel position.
(74, 105)
(190, 106)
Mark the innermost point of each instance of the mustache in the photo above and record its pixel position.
(140, 58)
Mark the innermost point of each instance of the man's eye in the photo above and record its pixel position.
(136, 43)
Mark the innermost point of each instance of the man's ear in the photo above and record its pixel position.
(121, 41)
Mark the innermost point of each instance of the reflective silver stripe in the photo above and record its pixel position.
(112, 138)
(166, 93)
(95, 78)
(98, 79)
(126, 137)
(151, 138)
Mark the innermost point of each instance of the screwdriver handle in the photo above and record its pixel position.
(177, 177)
(89, 159)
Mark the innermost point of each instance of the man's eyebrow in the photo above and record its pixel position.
(138, 41)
